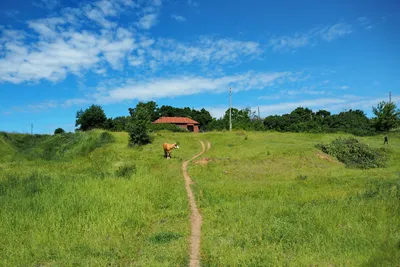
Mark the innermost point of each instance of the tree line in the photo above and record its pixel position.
(301, 119)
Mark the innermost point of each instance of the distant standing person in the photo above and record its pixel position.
(386, 140)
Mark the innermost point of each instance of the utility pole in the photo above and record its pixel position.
(259, 117)
(230, 109)
(390, 97)
(31, 129)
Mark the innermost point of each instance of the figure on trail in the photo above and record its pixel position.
(386, 140)
(168, 149)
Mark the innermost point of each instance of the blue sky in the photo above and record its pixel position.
(58, 56)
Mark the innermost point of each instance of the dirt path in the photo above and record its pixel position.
(195, 217)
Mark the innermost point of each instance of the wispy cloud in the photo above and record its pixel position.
(188, 85)
(193, 3)
(147, 21)
(149, 15)
(310, 38)
(178, 18)
(365, 23)
(206, 50)
(47, 4)
(12, 13)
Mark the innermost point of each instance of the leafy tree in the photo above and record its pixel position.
(387, 116)
(150, 108)
(120, 123)
(138, 125)
(322, 113)
(352, 121)
(109, 124)
(59, 131)
(93, 117)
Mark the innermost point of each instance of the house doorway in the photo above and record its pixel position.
(190, 128)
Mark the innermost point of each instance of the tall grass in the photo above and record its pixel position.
(271, 200)
(74, 208)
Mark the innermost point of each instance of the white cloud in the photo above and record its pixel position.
(147, 21)
(149, 15)
(206, 50)
(178, 18)
(42, 106)
(333, 32)
(89, 39)
(310, 38)
(188, 85)
(99, 17)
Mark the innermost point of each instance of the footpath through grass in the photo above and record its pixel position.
(273, 199)
(86, 202)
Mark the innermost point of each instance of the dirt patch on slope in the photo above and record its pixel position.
(326, 157)
(203, 161)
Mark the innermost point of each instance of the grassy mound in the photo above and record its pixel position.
(355, 154)
(51, 147)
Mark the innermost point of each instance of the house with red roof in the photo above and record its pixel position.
(183, 122)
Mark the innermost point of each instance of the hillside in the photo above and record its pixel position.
(266, 199)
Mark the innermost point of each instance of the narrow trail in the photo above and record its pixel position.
(195, 217)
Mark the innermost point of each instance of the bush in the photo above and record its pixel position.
(59, 131)
(138, 135)
(355, 154)
(166, 127)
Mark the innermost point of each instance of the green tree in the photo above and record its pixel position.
(387, 116)
(138, 125)
(59, 131)
(150, 108)
(120, 123)
(91, 118)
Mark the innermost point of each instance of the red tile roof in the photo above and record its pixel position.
(182, 120)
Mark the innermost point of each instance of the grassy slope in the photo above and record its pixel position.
(73, 210)
(257, 211)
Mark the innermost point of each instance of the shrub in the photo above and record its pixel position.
(166, 127)
(138, 135)
(59, 131)
(355, 154)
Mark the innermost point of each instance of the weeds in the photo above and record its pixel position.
(126, 171)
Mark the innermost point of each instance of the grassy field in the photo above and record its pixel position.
(267, 199)
(88, 206)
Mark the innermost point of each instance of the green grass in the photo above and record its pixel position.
(267, 199)
(90, 207)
